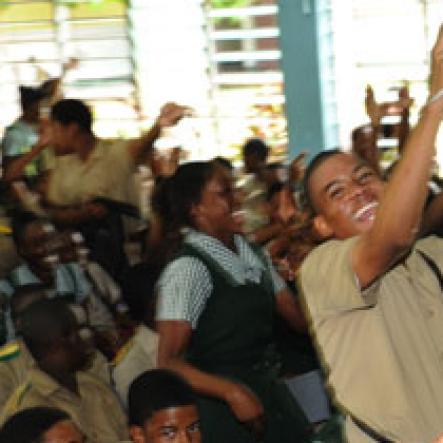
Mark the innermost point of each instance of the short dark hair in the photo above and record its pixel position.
(156, 390)
(314, 164)
(44, 323)
(70, 110)
(24, 292)
(29, 425)
(20, 221)
(257, 147)
(29, 96)
(224, 162)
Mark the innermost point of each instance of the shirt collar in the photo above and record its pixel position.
(241, 266)
(44, 383)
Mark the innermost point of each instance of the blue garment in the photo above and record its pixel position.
(18, 140)
(69, 279)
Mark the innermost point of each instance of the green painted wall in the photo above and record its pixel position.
(305, 59)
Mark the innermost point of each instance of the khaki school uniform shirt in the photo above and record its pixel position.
(16, 362)
(137, 356)
(382, 347)
(107, 172)
(96, 410)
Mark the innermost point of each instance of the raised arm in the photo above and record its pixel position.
(170, 114)
(400, 210)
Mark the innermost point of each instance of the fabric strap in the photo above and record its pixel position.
(370, 432)
(363, 426)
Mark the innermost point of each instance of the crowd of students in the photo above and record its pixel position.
(201, 332)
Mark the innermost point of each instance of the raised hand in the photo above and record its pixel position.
(436, 99)
(171, 113)
(373, 109)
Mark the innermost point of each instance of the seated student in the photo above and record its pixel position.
(107, 311)
(37, 244)
(43, 253)
(15, 359)
(40, 425)
(57, 343)
(162, 407)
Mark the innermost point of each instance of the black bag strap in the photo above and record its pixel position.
(370, 432)
(435, 269)
(363, 426)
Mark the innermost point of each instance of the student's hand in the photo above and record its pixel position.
(171, 113)
(376, 110)
(247, 408)
(297, 167)
(437, 72)
(373, 109)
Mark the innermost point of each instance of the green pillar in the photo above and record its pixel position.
(308, 68)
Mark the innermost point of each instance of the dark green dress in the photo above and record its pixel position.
(231, 340)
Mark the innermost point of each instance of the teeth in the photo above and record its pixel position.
(365, 208)
(52, 259)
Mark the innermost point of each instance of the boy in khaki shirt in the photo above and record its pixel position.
(57, 344)
(373, 291)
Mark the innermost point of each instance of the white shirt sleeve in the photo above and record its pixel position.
(182, 290)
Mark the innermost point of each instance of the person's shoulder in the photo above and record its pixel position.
(327, 252)
(123, 352)
(429, 242)
(329, 264)
(139, 351)
(91, 386)
(183, 264)
(18, 399)
(17, 126)
(90, 382)
(432, 247)
(112, 145)
(10, 351)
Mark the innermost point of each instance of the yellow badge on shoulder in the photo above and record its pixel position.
(122, 352)
(5, 230)
(9, 351)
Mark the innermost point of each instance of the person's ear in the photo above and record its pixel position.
(322, 227)
(73, 129)
(137, 434)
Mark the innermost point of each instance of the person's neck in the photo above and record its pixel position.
(84, 145)
(66, 379)
(29, 119)
(227, 238)
(260, 173)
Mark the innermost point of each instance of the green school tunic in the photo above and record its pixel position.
(231, 340)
